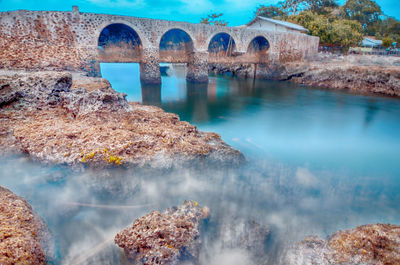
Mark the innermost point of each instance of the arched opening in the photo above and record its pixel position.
(222, 45)
(119, 43)
(259, 46)
(176, 46)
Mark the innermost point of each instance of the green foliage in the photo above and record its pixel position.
(338, 32)
(213, 19)
(387, 42)
(293, 7)
(336, 25)
(346, 33)
(364, 11)
(270, 12)
(389, 27)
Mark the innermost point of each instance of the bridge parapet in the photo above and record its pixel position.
(70, 41)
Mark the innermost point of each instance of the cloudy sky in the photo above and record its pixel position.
(236, 12)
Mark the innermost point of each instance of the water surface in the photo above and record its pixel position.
(318, 161)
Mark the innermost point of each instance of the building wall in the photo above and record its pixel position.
(266, 25)
(69, 40)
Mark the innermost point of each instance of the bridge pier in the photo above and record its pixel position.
(150, 66)
(197, 70)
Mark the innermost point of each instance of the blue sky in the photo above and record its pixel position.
(236, 12)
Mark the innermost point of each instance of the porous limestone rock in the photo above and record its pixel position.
(24, 236)
(376, 244)
(80, 121)
(164, 238)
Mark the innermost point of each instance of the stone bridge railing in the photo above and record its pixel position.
(69, 41)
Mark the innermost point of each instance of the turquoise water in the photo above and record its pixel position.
(282, 122)
(318, 161)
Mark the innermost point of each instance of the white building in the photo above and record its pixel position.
(370, 42)
(274, 25)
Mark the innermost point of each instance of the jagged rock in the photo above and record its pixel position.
(377, 244)
(164, 238)
(57, 120)
(24, 236)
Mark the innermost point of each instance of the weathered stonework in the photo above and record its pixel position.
(198, 69)
(48, 40)
(150, 66)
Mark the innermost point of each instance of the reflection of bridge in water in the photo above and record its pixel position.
(80, 41)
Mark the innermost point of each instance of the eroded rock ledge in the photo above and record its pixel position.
(377, 244)
(76, 121)
(24, 236)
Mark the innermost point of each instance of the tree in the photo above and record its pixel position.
(338, 32)
(346, 33)
(270, 12)
(212, 19)
(387, 42)
(293, 7)
(364, 11)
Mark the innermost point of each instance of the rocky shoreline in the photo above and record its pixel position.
(82, 122)
(24, 236)
(356, 74)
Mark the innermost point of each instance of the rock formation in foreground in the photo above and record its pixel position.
(23, 234)
(165, 238)
(58, 119)
(377, 244)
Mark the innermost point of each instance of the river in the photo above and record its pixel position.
(317, 161)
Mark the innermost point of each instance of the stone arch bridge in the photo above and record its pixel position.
(78, 41)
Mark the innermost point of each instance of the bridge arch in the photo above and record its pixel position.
(221, 44)
(258, 45)
(118, 42)
(176, 46)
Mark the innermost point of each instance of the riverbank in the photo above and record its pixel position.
(353, 73)
(356, 74)
(60, 118)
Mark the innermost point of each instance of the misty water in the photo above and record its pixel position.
(317, 161)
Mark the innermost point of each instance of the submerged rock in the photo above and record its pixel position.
(376, 244)
(165, 238)
(23, 234)
(81, 121)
